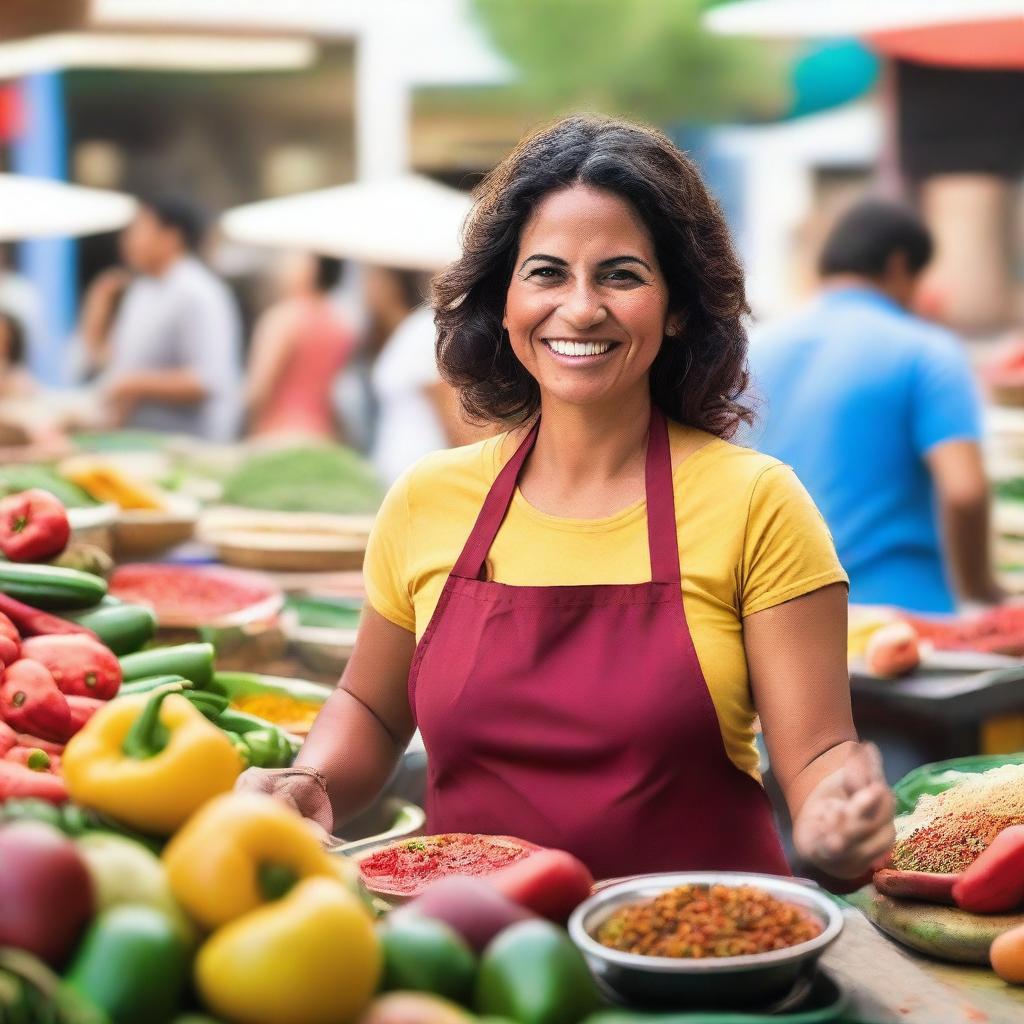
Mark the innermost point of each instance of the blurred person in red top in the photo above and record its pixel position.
(299, 346)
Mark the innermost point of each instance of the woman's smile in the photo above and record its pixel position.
(579, 351)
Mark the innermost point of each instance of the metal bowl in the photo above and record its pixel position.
(734, 981)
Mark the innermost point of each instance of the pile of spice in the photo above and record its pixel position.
(697, 921)
(947, 832)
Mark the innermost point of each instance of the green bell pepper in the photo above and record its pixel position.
(424, 955)
(133, 964)
(534, 974)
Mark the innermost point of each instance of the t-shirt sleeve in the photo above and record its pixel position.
(385, 567)
(946, 406)
(787, 550)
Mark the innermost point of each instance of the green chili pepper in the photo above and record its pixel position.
(264, 748)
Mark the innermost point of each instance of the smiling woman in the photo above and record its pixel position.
(585, 614)
(670, 251)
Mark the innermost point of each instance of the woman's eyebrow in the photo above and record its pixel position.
(604, 263)
(542, 256)
(626, 259)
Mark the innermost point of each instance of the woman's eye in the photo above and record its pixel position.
(547, 273)
(622, 275)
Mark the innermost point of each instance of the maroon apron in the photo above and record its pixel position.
(578, 717)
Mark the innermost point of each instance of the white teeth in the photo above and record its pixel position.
(579, 348)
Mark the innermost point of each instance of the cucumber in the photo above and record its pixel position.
(193, 661)
(122, 627)
(51, 586)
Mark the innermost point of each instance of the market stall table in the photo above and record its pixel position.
(888, 984)
(942, 711)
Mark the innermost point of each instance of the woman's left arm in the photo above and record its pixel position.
(841, 807)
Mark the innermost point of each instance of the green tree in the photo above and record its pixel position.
(648, 59)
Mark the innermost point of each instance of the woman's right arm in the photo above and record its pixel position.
(359, 734)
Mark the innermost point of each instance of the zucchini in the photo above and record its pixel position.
(245, 684)
(51, 586)
(193, 661)
(122, 627)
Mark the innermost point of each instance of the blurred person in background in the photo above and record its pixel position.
(15, 380)
(878, 413)
(300, 344)
(416, 412)
(20, 298)
(165, 341)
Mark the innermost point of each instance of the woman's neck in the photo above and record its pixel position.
(588, 461)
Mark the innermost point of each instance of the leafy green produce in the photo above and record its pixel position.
(321, 478)
(22, 478)
(327, 613)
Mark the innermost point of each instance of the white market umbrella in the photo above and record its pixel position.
(803, 18)
(407, 221)
(40, 208)
(964, 33)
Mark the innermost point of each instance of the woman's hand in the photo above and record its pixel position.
(845, 825)
(295, 788)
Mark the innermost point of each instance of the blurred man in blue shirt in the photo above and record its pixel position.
(876, 410)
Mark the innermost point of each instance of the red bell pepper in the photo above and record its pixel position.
(50, 746)
(31, 702)
(16, 780)
(994, 883)
(32, 622)
(551, 883)
(10, 641)
(34, 526)
(82, 709)
(79, 665)
(33, 757)
(8, 738)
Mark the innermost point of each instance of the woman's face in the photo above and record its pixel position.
(587, 308)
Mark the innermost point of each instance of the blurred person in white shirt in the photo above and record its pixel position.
(417, 413)
(166, 342)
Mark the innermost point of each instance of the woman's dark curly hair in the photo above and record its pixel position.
(696, 379)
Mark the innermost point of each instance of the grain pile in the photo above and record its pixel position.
(946, 832)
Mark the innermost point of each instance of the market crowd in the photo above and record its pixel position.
(161, 342)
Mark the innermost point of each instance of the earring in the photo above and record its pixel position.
(670, 332)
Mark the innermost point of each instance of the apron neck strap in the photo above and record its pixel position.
(661, 516)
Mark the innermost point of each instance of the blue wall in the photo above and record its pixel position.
(41, 151)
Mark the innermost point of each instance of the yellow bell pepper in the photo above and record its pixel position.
(240, 851)
(104, 481)
(150, 761)
(311, 957)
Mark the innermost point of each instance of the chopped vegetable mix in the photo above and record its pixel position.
(697, 921)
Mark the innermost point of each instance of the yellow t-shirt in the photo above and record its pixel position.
(749, 538)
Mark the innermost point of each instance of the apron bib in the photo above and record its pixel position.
(578, 717)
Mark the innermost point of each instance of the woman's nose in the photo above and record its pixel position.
(583, 308)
